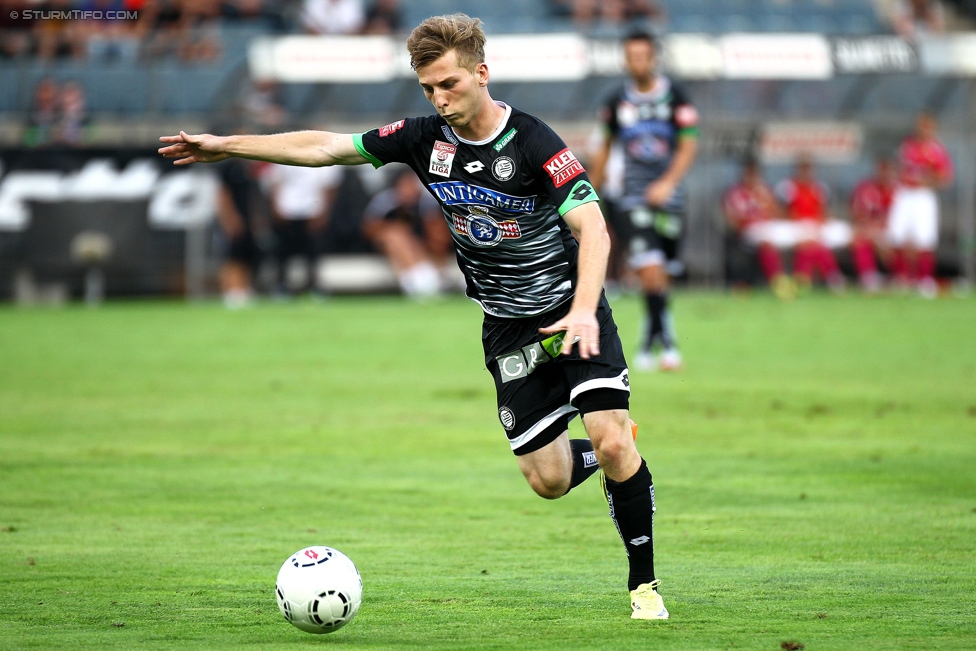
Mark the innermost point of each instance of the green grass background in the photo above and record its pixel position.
(815, 470)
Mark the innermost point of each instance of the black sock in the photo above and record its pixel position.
(584, 461)
(656, 305)
(632, 509)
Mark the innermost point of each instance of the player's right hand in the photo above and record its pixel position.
(186, 149)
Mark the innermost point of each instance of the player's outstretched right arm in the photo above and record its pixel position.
(305, 148)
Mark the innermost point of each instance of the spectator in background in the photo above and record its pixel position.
(913, 222)
(746, 205)
(383, 17)
(73, 124)
(113, 39)
(586, 12)
(259, 105)
(913, 18)
(235, 215)
(15, 36)
(406, 224)
(870, 203)
(806, 202)
(57, 38)
(43, 116)
(333, 16)
(301, 199)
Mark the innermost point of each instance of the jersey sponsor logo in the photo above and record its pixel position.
(450, 135)
(442, 158)
(507, 138)
(562, 167)
(686, 116)
(520, 363)
(474, 166)
(503, 168)
(455, 193)
(507, 417)
(484, 230)
(391, 128)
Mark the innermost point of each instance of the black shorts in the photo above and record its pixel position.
(539, 391)
(242, 249)
(653, 236)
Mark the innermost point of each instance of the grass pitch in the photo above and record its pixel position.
(814, 470)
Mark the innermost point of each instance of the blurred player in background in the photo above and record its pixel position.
(235, 208)
(870, 203)
(748, 204)
(658, 128)
(533, 245)
(406, 224)
(301, 199)
(806, 202)
(913, 223)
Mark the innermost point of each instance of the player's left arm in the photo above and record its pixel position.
(660, 191)
(589, 227)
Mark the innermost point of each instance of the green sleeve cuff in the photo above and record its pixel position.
(690, 132)
(581, 193)
(357, 140)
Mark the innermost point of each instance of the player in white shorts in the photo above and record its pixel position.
(913, 223)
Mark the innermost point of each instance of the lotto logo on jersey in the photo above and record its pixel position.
(391, 128)
(562, 167)
(442, 158)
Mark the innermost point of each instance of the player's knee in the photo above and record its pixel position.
(550, 488)
(611, 450)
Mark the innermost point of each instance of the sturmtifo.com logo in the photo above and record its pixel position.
(73, 14)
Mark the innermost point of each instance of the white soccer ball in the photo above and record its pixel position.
(319, 589)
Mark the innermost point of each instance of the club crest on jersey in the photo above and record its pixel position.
(442, 158)
(483, 229)
(503, 168)
(563, 167)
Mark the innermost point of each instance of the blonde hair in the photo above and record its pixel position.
(440, 34)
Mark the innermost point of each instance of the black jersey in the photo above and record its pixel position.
(648, 126)
(503, 199)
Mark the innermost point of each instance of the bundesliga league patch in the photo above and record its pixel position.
(442, 158)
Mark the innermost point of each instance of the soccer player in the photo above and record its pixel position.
(870, 203)
(747, 204)
(658, 128)
(806, 201)
(533, 246)
(913, 223)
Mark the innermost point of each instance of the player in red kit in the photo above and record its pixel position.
(870, 203)
(806, 201)
(746, 205)
(913, 222)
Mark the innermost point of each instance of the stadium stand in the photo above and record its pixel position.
(131, 101)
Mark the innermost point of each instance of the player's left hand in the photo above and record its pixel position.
(659, 192)
(580, 327)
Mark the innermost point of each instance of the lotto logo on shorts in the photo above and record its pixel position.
(562, 167)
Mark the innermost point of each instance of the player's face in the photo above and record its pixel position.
(454, 90)
(639, 59)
